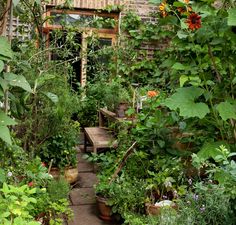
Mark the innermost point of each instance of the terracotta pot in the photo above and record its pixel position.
(105, 212)
(152, 209)
(122, 107)
(71, 174)
(55, 172)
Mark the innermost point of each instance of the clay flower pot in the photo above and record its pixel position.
(71, 174)
(155, 209)
(105, 212)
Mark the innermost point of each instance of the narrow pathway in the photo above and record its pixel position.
(82, 196)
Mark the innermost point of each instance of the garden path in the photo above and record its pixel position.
(82, 196)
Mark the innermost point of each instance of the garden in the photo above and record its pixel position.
(174, 161)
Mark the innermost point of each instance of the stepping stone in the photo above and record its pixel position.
(82, 196)
(86, 215)
(86, 180)
(81, 159)
(85, 167)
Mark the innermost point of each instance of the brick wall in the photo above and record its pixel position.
(142, 7)
(88, 4)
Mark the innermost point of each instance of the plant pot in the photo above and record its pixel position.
(152, 209)
(105, 212)
(55, 172)
(71, 174)
(122, 107)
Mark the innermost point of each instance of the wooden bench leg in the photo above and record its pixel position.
(85, 142)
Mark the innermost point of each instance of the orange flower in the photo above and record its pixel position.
(152, 94)
(194, 21)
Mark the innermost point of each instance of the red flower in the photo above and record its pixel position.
(43, 164)
(194, 21)
(31, 184)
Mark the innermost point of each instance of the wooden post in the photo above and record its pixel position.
(4, 24)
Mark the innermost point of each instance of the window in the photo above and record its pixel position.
(86, 22)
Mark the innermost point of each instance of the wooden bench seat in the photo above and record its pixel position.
(98, 137)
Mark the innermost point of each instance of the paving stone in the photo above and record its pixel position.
(82, 196)
(87, 180)
(81, 159)
(86, 215)
(85, 167)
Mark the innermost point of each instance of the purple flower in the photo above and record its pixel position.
(203, 208)
(164, 197)
(195, 197)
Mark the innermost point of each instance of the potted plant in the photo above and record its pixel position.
(60, 153)
(102, 190)
(165, 184)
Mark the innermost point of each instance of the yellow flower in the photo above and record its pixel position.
(162, 6)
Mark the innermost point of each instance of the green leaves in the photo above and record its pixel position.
(4, 131)
(1, 66)
(6, 120)
(5, 49)
(51, 96)
(184, 100)
(18, 81)
(226, 111)
(232, 17)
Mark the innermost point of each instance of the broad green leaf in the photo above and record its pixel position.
(4, 84)
(183, 24)
(182, 80)
(18, 81)
(181, 34)
(178, 66)
(232, 17)
(6, 120)
(5, 214)
(226, 111)
(5, 48)
(51, 96)
(184, 100)
(211, 150)
(178, 4)
(5, 134)
(2, 176)
(5, 188)
(1, 66)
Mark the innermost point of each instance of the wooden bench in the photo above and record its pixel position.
(101, 137)
(98, 137)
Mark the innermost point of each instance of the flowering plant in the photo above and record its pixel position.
(207, 204)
